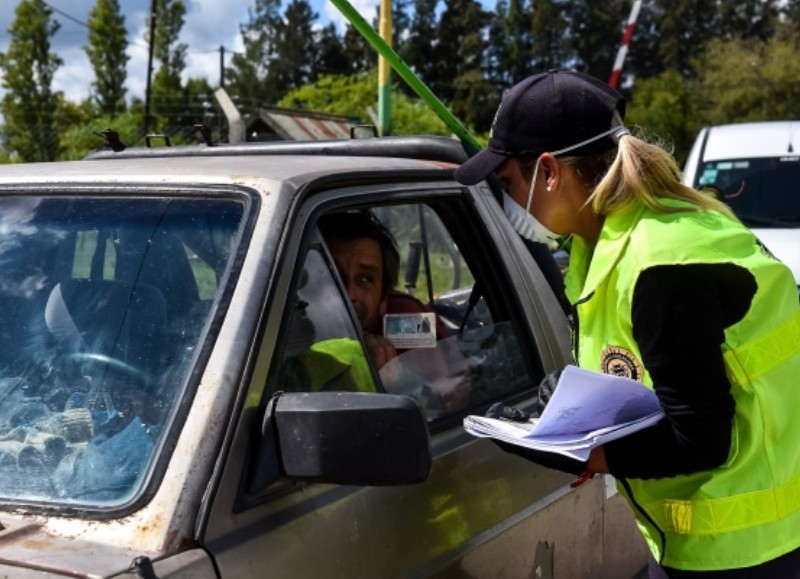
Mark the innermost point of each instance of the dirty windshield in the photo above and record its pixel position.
(763, 192)
(104, 303)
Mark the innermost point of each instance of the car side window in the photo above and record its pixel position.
(445, 335)
(321, 346)
(477, 356)
(439, 340)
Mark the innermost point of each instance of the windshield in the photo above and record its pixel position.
(104, 302)
(763, 192)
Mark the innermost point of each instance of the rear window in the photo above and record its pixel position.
(763, 192)
(104, 304)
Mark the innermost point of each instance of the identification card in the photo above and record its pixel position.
(410, 330)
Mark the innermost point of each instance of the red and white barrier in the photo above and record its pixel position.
(623, 48)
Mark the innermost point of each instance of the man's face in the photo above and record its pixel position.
(360, 266)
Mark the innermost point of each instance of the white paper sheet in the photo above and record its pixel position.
(587, 409)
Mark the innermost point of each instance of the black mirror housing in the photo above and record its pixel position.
(348, 438)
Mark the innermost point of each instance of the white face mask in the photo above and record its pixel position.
(521, 219)
(525, 224)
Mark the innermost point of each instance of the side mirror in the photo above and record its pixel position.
(350, 438)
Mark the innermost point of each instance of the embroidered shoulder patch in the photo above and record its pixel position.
(621, 362)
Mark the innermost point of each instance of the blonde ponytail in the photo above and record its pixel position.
(641, 172)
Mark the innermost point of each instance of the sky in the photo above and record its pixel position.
(208, 25)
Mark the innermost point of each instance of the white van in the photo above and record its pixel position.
(756, 168)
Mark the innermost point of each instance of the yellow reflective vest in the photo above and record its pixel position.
(747, 511)
(338, 364)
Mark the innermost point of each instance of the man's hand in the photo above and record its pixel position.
(380, 349)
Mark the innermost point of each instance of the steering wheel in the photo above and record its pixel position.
(107, 363)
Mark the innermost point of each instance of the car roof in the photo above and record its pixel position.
(294, 162)
(750, 140)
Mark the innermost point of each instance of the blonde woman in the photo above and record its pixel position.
(670, 289)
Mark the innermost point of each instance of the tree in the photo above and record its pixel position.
(595, 31)
(418, 50)
(360, 57)
(664, 106)
(751, 80)
(81, 139)
(355, 95)
(295, 49)
(548, 27)
(106, 52)
(29, 105)
(788, 25)
(460, 80)
(248, 73)
(511, 43)
(171, 55)
(740, 19)
(331, 56)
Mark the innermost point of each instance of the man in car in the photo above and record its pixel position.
(367, 259)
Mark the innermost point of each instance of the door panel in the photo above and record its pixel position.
(482, 512)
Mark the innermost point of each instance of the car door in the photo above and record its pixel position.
(482, 512)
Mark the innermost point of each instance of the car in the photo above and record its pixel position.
(755, 168)
(158, 416)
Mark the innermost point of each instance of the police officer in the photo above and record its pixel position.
(668, 288)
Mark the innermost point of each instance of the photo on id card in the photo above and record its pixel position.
(410, 330)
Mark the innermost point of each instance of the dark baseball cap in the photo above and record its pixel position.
(547, 112)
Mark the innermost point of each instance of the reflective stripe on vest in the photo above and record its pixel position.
(708, 517)
(752, 360)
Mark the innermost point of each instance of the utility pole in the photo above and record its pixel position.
(384, 72)
(152, 40)
(221, 66)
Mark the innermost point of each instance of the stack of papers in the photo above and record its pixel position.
(586, 410)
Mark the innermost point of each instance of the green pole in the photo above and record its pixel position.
(384, 72)
(404, 72)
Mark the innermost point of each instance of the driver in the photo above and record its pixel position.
(367, 259)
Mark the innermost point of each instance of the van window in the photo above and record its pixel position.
(763, 192)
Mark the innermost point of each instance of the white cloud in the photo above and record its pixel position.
(208, 25)
(367, 8)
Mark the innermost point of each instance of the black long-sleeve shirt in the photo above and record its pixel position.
(679, 314)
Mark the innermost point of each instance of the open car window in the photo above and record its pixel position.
(321, 346)
(453, 342)
(104, 304)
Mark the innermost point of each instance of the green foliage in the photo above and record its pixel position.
(748, 81)
(295, 63)
(81, 139)
(166, 96)
(355, 96)
(690, 63)
(663, 106)
(106, 52)
(29, 104)
(247, 76)
(595, 33)
(461, 47)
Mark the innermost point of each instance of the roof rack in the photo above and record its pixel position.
(431, 148)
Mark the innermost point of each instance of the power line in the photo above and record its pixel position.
(134, 41)
(65, 15)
